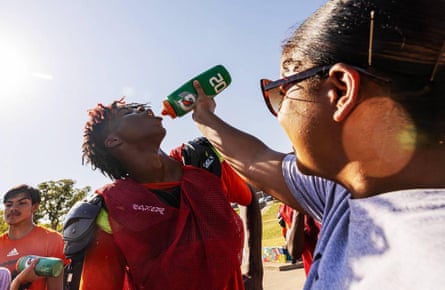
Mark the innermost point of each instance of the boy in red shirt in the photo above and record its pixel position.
(25, 238)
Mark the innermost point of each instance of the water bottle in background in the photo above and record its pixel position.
(46, 266)
(182, 100)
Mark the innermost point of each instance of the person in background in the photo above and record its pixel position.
(362, 99)
(284, 217)
(303, 244)
(301, 234)
(25, 238)
(167, 225)
(5, 278)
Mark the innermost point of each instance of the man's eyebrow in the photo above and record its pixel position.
(23, 198)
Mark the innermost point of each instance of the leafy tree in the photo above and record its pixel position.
(3, 225)
(57, 199)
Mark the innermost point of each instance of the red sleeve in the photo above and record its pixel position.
(57, 248)
(176, 153)
(235, 187)
(286, 213)
(104, 264)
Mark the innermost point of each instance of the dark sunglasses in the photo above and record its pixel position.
(275, 91)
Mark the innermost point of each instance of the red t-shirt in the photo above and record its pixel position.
(40, 242)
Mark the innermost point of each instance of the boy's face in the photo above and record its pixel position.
(19, 208)
(134, 123)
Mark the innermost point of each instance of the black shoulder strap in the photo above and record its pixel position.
(200, 153)
(80, 224)
(78, 232)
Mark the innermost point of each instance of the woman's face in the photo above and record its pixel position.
(306, 117)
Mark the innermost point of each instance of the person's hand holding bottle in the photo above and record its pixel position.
(28, 275)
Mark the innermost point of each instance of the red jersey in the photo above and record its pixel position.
(40, 242)
(311, 230)
(171, 256)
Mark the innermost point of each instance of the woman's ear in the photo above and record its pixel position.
(112, 141)
(345, 90)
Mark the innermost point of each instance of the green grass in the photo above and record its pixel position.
(272, 235)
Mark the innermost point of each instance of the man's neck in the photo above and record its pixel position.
(19, 231)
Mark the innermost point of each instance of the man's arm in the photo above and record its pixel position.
(253, 278)
(55, 283)
(295, 236)
(250, 157)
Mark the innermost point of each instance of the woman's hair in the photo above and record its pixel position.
(95, 132)
(407, 46)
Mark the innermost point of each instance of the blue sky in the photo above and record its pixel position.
(60, 58)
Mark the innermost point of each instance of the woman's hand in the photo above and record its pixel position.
(204, 104)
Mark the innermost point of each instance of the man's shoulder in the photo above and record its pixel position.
(118, 184)
(48, 232)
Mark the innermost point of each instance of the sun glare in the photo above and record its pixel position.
(20, 77)
(13, 72)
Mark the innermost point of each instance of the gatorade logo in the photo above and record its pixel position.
(186, 101)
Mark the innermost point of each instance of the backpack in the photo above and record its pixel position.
(80, 223)
(78, 232)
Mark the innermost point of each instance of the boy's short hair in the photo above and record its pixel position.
(33, 193)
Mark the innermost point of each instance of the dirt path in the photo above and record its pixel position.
(274, 279)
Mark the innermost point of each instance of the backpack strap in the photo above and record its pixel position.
(80, 223)
(78, 232)
(200, 153)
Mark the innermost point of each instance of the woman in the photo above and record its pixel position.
(362, 100)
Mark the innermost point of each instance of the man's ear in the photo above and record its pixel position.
(35, 207)
(112, 141)
(346, 84)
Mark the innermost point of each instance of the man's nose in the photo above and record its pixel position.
(14, 206)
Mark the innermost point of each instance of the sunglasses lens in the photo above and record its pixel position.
(272, 97)
(275, 98)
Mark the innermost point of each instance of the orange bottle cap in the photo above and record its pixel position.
(167, 109)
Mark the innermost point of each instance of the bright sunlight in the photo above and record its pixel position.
(13, 72)
(17, 75)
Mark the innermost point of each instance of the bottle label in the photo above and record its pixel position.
(181, 101)
(47, 266)
(218, 83)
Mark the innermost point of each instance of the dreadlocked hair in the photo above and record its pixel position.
(95, 131)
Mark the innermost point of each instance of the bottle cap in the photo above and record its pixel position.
(168, 109)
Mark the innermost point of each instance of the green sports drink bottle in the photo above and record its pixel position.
(181, 101)
(46, 266)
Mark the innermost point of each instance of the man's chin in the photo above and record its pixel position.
(12, 220)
